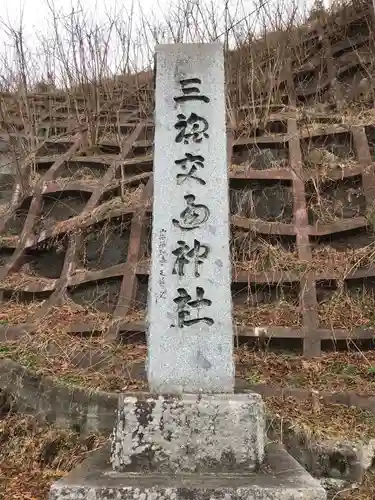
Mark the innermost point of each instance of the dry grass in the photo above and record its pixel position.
(326, 208)
(353, 113)
(4, 207)
(341, 262)
(370, 216)
(322, 163)
(311, 124)
(57, 319)
(35, 178)
(145, 260)
(323, 420)
(14, 313)
(60, 318)
(94, 363)
(21, 281)
(272, 163)
(281, 313)
(358, 116)
(33, 456)
(364, 491)
(254, 254)
(331, 372)
(89, 181)
(347, 311)
(268, 203)
(135, 315)
(130, 198)
(8, 241)
(84, 173)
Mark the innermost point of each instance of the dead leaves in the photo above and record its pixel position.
(33, 456)
(331, 372)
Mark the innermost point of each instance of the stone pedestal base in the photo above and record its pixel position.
(280, 478)
(193, 447)
(191, 433)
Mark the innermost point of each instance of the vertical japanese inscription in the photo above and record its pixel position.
(162, 262)
(192, 130)
(190, 332)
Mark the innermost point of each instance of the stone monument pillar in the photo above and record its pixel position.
(191, 436)
(196, 422)
(190, 334)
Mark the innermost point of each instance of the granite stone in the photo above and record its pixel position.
(190, 433)
(190, 332)
(281, 478)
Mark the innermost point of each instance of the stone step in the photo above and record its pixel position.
(280, 478)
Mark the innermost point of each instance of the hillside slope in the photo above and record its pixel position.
(76, 195)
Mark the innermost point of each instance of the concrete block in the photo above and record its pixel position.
(341, 460)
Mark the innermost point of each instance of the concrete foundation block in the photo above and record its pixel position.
(280, 478)
(341, 460)
(191, 433)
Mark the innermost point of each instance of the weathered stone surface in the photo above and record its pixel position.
(341, 460)
(190, 332)
(334, 486)
(192, 433)
(282, 478)
(76, 408)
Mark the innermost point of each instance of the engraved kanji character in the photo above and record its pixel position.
(197, 161)
(193, 127)
(184, 302)
(185, 254)
(188, 91)
(193, 216)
